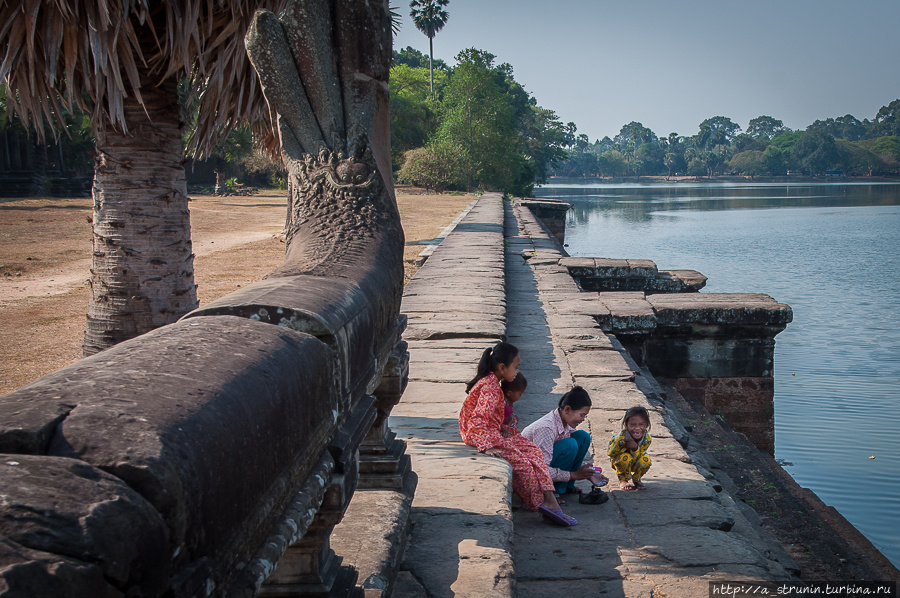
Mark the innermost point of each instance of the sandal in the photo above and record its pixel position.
(557, 517)
(595, 497)
(559, 499)
(598, 480)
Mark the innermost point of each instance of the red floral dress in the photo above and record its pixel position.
(480, 421)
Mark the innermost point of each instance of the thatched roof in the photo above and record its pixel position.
(91, 54)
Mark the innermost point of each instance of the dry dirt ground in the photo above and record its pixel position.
(45, 252)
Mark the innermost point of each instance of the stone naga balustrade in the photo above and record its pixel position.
(194, 459)
(717, 348)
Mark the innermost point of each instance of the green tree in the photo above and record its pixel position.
(774, 161)
(855, 159)
(415, 59)
(765, 127)
(613, 163)
(887, 121)
(413, 113)
(887, 149)
(542, 139)
(718, 130)
(845, 127)
(744, 142)
(634, 134)
(750, 162)
(477, 117)
(673, 148)
(429, 17)
(815, 152)
(436, 167)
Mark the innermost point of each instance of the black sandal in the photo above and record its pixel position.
(595, 497)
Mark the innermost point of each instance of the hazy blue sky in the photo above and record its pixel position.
(671, 64)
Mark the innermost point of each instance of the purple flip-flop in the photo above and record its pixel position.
(557, 517)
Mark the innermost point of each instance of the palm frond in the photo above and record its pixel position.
(93, 53)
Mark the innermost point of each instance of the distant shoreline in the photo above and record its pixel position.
(726, 179)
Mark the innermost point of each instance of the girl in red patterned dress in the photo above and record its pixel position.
(480, 421)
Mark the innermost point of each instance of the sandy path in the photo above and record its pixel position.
(45, 247)
(218, 224)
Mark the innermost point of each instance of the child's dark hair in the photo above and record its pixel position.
(641, 411)
(575, 399)
(519, 384)
(491, 358)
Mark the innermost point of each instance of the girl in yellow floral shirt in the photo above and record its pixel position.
(628, 449)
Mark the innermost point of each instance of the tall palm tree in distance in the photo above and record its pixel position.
(429, 17)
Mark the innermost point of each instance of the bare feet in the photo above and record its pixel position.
(638, 484)
(625, 484)
(550, 500)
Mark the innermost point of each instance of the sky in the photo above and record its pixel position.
(670, 64)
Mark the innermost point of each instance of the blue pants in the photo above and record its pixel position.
(568, 455)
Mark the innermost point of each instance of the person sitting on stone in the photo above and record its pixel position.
(512, 392)
(628, 449)
(480, 422)
(565, 448)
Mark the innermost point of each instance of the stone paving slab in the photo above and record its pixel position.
(436, 392)
(455, 553)
(694, 513)
(466, 356)
(437, 328)
(602, 363)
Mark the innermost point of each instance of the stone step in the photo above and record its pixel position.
(610, 275)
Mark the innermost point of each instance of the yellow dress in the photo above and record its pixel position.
(629, 465)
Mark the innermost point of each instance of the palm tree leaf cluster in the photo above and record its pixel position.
(429, 16)
(92, 54)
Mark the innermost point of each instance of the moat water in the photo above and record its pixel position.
(832, 252)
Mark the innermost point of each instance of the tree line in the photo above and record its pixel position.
(478, 129)
(765, 148)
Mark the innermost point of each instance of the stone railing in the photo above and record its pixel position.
(189, 460)
(216, 453)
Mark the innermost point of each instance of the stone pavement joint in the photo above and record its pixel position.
(671, 539)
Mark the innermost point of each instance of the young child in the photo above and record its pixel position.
(628, 449)
(565, 448)
(512, 392)
(480, 425)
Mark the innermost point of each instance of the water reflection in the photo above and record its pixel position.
(639, 202)
(828, 250)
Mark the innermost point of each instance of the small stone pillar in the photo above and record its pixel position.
(718, 348)
(384, 463)
(309, 567)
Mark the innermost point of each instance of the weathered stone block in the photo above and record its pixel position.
(745, 403)
(25, 572)
(757, 309)
(238, 416)
(57, 506)
(335, 310)
(700, 357)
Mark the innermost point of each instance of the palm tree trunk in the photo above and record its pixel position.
(431, 64)
(142, 275)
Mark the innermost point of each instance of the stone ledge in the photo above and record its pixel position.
(608, 275)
